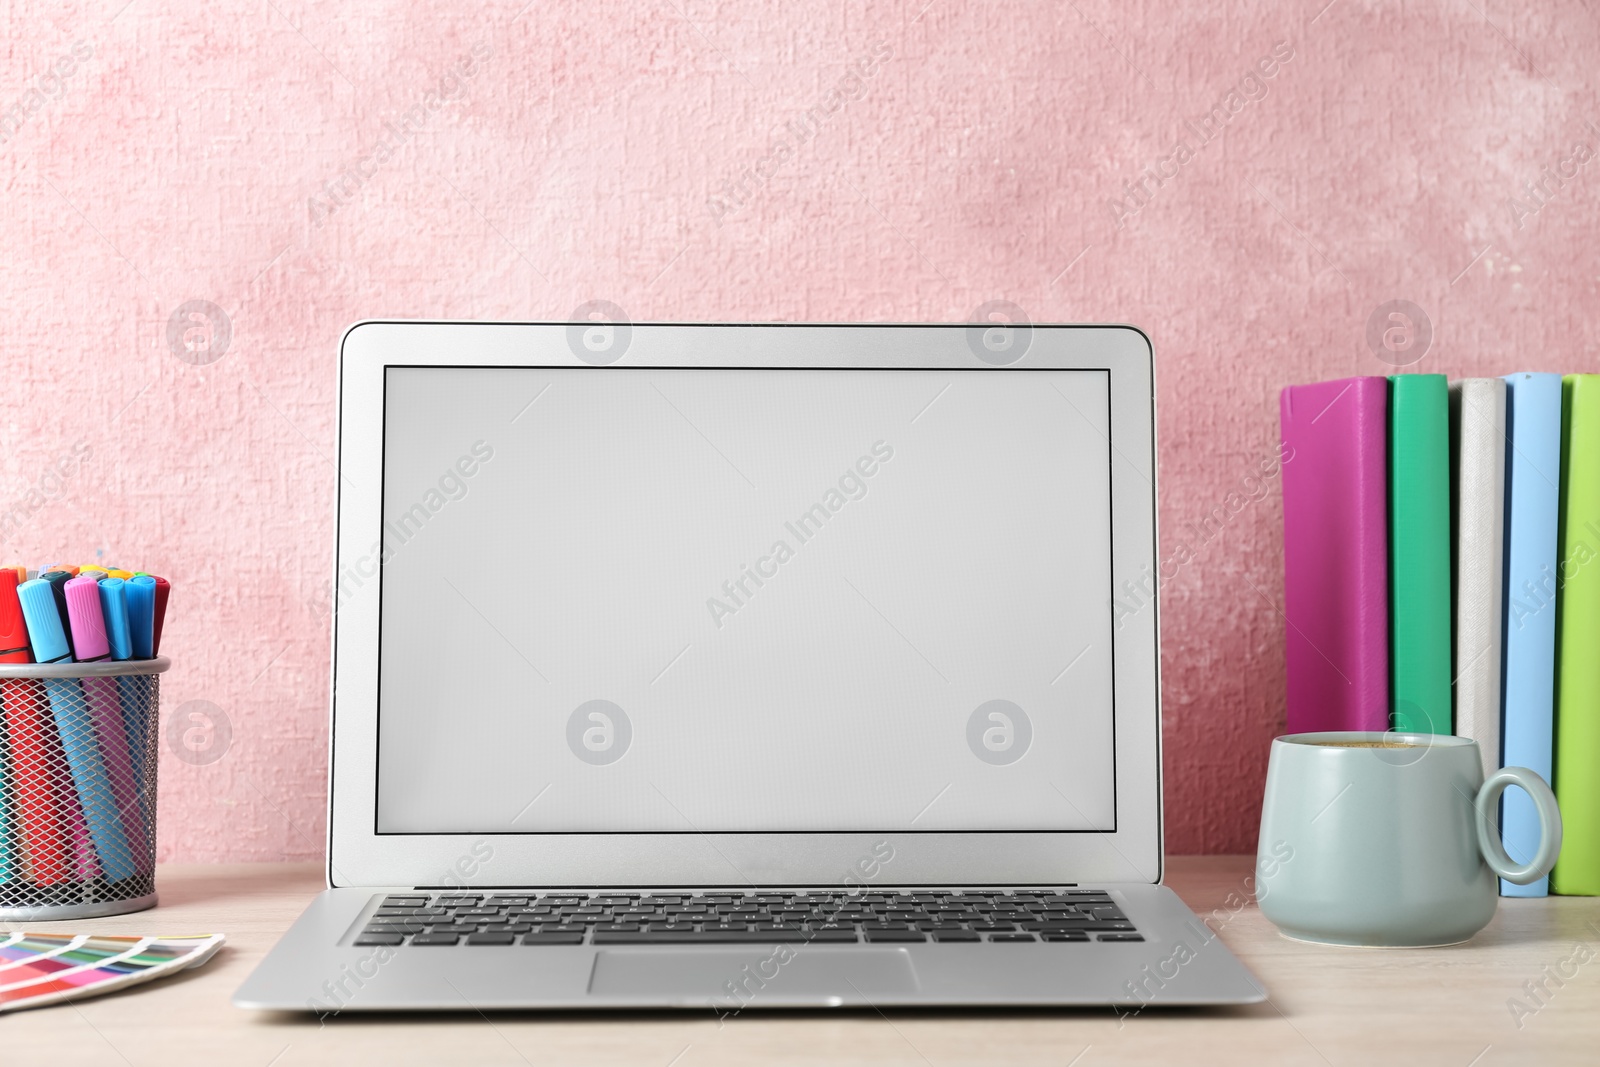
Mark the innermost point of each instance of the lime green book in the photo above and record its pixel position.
(1419, 553)
(1578, 639)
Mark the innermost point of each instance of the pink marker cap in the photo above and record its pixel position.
(87, 621)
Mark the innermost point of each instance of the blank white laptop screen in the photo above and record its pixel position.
(731, 600)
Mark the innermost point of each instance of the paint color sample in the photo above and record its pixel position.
(44, 968)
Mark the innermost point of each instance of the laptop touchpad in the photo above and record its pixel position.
(743, 975)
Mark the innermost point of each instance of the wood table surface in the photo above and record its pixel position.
(1454, 1007)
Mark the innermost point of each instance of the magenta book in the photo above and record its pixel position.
(1336, 554)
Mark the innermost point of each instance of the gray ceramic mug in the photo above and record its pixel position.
(1389, 838)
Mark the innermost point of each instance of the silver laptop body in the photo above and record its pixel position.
(731, 667)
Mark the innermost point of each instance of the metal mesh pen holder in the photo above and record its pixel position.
(78, 788)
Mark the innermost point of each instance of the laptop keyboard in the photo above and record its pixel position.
(972, 917)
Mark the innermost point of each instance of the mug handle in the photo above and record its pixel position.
(1494, 852)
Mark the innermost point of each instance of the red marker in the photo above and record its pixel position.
(13, 628)
(36, 756)
(163, 587)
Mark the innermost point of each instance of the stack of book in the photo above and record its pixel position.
(1442, 575)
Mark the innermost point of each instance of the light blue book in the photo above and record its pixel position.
(1533, 469)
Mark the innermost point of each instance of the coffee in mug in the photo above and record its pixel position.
(1393, 838)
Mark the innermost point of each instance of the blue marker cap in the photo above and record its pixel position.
(139, 596)
(113, 605)
(57, 580)
(45, 634)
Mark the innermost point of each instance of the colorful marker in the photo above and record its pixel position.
(113, 605)
(101, 800)
(37, 763)
(140, 598)
(13, 627)
(87, 621)
(45, 632)
(13, 649)
(163, 587)
(57, 581)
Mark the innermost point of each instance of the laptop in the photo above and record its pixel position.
(736, 667)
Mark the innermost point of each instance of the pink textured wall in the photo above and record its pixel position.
(303, 164)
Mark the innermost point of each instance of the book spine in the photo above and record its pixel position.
(1477, 516)
(1577, 782)
(1533, 500)
(1419, 551)
(1336, 555)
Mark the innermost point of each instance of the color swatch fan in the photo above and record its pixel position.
(39, 969)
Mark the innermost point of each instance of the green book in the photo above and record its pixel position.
(1578, 639)
(1419, 553)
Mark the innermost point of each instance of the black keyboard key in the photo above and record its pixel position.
(409, 913)
(1121, 937)
(436, 939)
(544, 938)
(652, 937)
(379, 939)
(1070, 935)
(506, 902)
(454, 928)
(1011, 937)
(995, 927)
(617, 928)
(406, 900)
(956, 936)
(695, 937)
(892, 936)
(498, 938)
(508, 928)
(485, 913)
(830, 936)
(563, 928)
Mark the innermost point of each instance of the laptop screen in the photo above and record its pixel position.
(636, 600)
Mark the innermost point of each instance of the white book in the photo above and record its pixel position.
(1477, 518)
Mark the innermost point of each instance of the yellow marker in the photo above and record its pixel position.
(124, 575)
